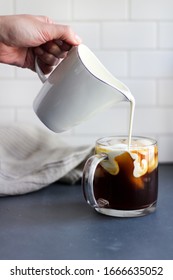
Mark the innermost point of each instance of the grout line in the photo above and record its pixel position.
(72, 10)
(158, 36)
(14, 6)
(129, 5)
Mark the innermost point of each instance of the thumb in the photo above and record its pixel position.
(61, 32)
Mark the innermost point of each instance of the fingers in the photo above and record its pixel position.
(56, 48)
(63, 45)
(62, 32)
(46, 57)
(46, 61)
(58, 41)
(66, 34)
(50, 54)
(44, 67)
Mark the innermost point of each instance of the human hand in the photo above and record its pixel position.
(23, 37)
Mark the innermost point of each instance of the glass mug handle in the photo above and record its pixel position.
(88, 178)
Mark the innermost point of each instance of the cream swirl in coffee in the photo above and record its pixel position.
(141, 155)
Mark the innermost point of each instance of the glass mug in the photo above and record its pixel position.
(122, 181)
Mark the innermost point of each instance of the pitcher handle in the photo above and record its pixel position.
(88, 178)
(40, 73)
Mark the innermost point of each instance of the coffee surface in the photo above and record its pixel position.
(143, 157)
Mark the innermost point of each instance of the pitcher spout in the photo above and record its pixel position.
(98, 70)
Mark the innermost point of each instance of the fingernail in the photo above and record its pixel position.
(78, 39)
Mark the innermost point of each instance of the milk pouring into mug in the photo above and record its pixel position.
(78, 88)
(121, 179)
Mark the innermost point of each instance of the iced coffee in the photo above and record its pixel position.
(125, 181)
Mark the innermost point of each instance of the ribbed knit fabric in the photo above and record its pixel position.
(32, 158)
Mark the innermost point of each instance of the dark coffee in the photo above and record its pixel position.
(125, 190)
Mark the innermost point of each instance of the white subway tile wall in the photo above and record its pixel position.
(133, 39)
(128, 35)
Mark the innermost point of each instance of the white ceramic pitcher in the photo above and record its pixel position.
(78, 88)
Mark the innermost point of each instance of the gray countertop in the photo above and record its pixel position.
(56, 223)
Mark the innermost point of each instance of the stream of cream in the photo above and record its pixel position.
(132, 109)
